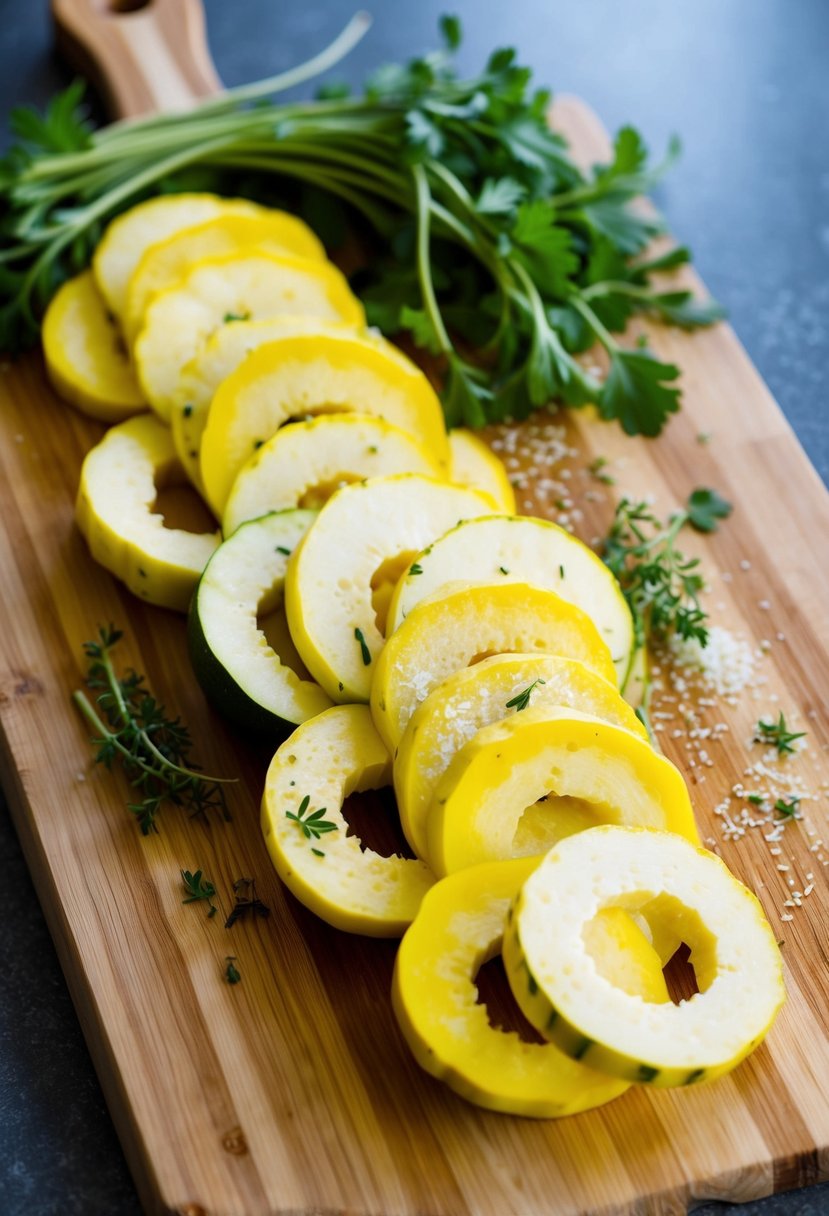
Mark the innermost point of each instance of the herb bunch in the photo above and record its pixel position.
(494, 250)
(132, 726)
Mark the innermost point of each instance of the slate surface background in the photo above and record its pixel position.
(746, 85)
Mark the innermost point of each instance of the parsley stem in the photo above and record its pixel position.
(604, 335)
(424, 271)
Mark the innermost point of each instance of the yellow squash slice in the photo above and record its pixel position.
(304, 463)
(86, 360)
(458, 928)
(313, 772)
(120, 480)
(519, 786)
(341, 575)
(464, 624)
(218, 358)
(299, 376)
(163, 264)
(475, 464)
(478, 696)
(519, 549)
(589, 1015)
(221, 290)
(244, 670)
(128, 236)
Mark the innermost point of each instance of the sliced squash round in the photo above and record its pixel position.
(304, 463)
(474, 464)
(232, 634)
(458, 928)
(494, 800)
(298, 376)
(521, 549)
(341, 575)
(591, 1017)
(465, 623)
(477, 696)
(224, 289)
(331, 756)
(120, 480)
(218, 358)
(128, 236)
(86, 359)
(163, 264)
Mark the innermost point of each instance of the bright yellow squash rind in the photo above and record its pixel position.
(86, 360)
(478, 696)
(332, 582)
(458, 928)
(473, 463)
(335, 754)
(299, 376)
(494, 802)
(589, 1015)
(119, 482)
(221, 290)
(465, 623)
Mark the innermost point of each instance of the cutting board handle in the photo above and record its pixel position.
(142, 55)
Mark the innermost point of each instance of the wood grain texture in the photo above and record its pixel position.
(293, 1092)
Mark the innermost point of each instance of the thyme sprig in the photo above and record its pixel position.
(199, 888)
(132, 727)
(522, 699)
(247, 902)
(778, 735)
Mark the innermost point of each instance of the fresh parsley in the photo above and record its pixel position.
(311, 822)
(232, 973)
(494, 250)
(522, 699)
(199, 888)
(132, 726)
(777, 735)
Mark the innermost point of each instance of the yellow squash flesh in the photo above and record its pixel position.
(475, 464)
(332, 583)
(493, 801)
(86, 360)
(304, 463)
(329, 757)
(163, 264)
(120, 479)
(589, 1015)
(220, 290)
(298, 376)
(478, 696)
(458, 928)
(465, 623)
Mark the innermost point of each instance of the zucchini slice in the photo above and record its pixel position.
(494, 799)
(459, 926)
(313, 772)
(520, 549)
(478, 696)
(465, 623)
(588, 1015)
(120, 479)
(239, 669)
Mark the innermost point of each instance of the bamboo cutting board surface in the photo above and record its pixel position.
(292, 1091)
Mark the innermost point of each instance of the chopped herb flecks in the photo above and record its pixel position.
(522, 699)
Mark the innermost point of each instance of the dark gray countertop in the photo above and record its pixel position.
(746, 84)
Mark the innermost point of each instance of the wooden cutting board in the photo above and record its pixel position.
(292, 1091)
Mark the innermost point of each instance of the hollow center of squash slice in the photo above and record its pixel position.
(549, 820)
(502, 1009)
(383, 582)
(317, 496)
(181, 508)
(372, 817)
(274, 624)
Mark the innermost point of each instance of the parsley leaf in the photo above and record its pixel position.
(635, 392)
(705, 508)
